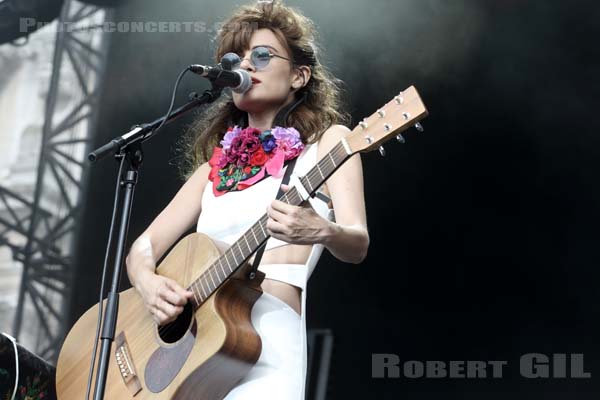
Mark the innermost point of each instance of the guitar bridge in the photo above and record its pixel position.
(125, 364)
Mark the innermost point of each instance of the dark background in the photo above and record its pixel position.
(483, 229)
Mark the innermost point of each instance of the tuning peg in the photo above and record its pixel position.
(382, 151)
(400, 138)
(419, 127)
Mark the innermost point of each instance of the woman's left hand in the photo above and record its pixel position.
(296, 224)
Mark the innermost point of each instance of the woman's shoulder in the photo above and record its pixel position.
(200, 175)
(331, 137)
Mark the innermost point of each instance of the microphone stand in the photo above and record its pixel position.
(129, 146)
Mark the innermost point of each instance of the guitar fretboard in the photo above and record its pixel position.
(239, 252)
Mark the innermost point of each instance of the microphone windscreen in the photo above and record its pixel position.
(230, 61)
(245, 81)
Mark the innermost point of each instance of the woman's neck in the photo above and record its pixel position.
(263, 120)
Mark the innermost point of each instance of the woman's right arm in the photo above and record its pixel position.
(164, 297)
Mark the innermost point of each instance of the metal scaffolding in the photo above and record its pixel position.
(41, 232)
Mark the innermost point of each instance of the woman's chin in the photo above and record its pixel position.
(249, 102)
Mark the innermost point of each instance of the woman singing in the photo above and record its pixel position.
(238, 159)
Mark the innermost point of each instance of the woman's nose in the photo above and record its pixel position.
(246, 64)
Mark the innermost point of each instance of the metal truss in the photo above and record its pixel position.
(41, 232)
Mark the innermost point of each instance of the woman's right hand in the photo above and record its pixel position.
(162, 296)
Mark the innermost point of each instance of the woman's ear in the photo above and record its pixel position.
(302, 75)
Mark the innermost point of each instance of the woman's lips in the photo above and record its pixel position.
(255, 81)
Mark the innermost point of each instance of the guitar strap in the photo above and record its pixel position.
(280, 119)
(261, 250)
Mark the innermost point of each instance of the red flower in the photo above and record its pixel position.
(259, 157)
(247, 169)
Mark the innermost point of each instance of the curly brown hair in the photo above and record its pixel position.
(320, 100)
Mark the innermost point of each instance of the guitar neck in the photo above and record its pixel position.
(240, 251)
(402, 111)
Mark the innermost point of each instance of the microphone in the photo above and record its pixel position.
(238, 80)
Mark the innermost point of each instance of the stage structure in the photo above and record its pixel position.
(41, 232)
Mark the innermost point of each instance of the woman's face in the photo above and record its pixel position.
(276, 79)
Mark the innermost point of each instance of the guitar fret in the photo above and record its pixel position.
(309, 183)
(262, 229)
(216, 271)
(247, 244)
(201, 296)
(241, 251)
(332, 160)
(202, 282)
(229, 268)
(211, 278)
(222, 269)
(320, 172)
(330, 165)
(219, 279)
(211, 270)
(253, 234)
(227, 261)
(342, 154)
(234, 257)
(194, 289)
(326, 164)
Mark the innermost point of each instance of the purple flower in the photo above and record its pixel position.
(226, 142)
(288, 140)
(269, 143)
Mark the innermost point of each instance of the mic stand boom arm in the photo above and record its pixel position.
(143, 132)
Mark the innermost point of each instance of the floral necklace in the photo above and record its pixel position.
(246, 156)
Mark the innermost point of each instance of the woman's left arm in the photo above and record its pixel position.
(347, 238)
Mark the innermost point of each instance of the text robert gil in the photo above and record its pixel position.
(531, 365)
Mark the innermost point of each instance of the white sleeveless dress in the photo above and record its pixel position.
(280, 372)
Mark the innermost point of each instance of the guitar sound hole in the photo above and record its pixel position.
(175, 330)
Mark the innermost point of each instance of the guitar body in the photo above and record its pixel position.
(203, 356)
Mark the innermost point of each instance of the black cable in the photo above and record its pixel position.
(155, 131)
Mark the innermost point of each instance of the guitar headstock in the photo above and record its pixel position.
(403, 111)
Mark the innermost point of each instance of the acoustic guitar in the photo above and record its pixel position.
(212, 345)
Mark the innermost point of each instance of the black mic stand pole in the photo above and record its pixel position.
(129, 146)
